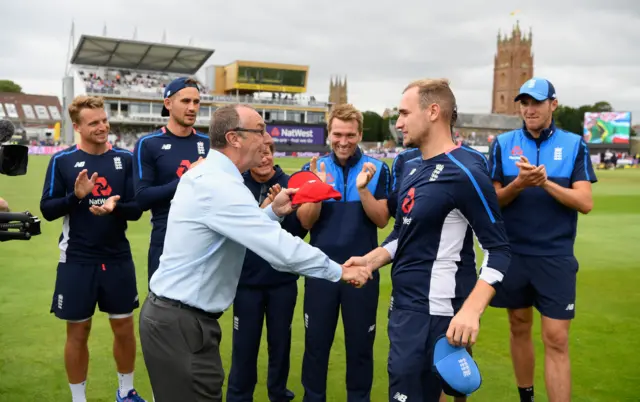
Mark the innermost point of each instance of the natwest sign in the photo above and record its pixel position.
(285, 134)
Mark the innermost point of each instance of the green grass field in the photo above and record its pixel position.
(604, 337)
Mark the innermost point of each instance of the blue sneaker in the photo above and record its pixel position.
(132, 396)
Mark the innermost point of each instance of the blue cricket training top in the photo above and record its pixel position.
(397, 172)
(444, 201)
(343, 228)
(257, 272)
(87, 238)
(160, 159)
(536, 223)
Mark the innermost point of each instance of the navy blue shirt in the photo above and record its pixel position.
(87, 238)
(256, 272)
(537, 224)
(160, 159)
(397, 172)
(343, 228)
(444, 201)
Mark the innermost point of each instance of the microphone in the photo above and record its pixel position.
(7, 130)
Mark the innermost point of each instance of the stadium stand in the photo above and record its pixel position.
(131, 77)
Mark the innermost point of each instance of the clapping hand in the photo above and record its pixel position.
(273, 192)
(313, 167)
(361, 266)
(281, 204)
(530, 175)
(106, 208)
(365, 176)
(84, 185)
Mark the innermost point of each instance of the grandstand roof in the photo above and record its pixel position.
(135, 55)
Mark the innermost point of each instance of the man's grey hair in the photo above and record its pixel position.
(224, 119)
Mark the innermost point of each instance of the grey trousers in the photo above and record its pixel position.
(181, 349)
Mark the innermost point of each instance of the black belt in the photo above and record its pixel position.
(181, 305)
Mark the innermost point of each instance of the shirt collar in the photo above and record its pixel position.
(353, 159)
(544, 134)
(223, 162)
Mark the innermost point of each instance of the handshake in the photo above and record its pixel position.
(357, 271)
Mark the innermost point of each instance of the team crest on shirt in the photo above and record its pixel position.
(436, 172)
(117, 162)
(200, 148)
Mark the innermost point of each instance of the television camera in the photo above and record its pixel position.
(13, 162)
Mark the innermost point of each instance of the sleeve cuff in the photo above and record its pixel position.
(73, 200)
(334, 272)
(272, 215)
(491, 275)
(391, 248)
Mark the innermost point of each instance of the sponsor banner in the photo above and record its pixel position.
(310, 135)
(45, 150)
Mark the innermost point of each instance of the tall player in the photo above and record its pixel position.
(538, 171)
(162, 157)
(90, 186)
(436, 292)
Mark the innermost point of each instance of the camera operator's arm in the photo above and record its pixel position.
(58, 200)
(4, 206)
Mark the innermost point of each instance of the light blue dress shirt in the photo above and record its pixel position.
(213, 219)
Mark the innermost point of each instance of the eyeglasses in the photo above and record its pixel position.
(260, 131)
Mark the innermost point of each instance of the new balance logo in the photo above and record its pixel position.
(570, 307)
(236, 322)
(372, 328)
(400, 397)
(166, 147)
(406, 221)
(200, 148)
(306, 320)
(79, 164)
(117, 162)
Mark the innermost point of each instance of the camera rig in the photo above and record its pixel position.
(18, 226)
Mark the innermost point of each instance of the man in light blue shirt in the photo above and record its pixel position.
(213, 219)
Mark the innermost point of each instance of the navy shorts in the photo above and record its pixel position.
(547, 283)
(80, 286)
(412, 336)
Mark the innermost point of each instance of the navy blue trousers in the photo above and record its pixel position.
(322, 302)
(250, 307)
(412, 336)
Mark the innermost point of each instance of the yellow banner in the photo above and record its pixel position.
(268, 88)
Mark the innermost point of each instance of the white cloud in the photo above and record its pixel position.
(587, 48)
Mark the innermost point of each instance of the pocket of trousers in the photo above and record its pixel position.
(192, 332)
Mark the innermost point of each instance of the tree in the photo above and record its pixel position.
(10, 86)
(372, 127)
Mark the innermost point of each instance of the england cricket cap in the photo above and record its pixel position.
(456, 368)
(311, 188)
(537, 88)
(174, 87)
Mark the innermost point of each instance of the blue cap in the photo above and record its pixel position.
(456, 368)
(174, 87)
(537, 88)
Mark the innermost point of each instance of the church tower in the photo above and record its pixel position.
(338, 91)
(513, 66)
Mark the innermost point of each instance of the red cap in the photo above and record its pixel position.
(311, 188)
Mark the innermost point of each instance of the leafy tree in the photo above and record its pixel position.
(9, 86)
